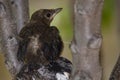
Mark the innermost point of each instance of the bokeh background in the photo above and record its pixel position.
(110, 47)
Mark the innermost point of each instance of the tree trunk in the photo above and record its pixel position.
(87, 40)
(20, 9)
(8, 30)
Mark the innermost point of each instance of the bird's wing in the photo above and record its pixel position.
(22, 50)
(53, 44)
(24, 33)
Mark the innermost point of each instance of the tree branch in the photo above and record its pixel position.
(13, 16)
(87, 40)
(9, 42)
(20, 9)
(20, 13)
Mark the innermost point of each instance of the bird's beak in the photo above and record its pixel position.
(56, 11)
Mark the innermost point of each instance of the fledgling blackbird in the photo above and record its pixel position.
(40, 43)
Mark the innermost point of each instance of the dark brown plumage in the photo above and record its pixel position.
(41, 43)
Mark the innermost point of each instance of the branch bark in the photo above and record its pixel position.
(9, 42)
(20, 11)
(87, 40)
(9, 29)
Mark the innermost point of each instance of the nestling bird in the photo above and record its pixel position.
(40, 43)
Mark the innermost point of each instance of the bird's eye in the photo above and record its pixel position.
(48, 15)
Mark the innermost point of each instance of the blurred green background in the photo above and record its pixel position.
(110, 46)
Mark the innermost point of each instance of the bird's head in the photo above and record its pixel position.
(45, 16)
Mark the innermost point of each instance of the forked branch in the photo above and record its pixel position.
(87, 40)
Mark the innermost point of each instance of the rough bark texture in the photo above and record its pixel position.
(20, 10)
(20, 14)
(8, 29)
(87, 40)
